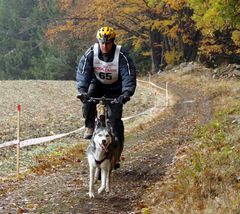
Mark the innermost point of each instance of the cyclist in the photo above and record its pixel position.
(105, 70)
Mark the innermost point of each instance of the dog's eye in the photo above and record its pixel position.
(100, 135)
(107, 135)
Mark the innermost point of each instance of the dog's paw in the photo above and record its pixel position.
(100, 190)
(91, 194)
(107, 190)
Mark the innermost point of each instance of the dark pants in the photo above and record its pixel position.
(114, 112)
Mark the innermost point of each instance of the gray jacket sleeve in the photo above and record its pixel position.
(127, 72)
(85, 71)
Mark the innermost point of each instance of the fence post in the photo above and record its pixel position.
(18, 138)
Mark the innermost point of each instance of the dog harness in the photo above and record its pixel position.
(100, 162)
(108, 156)
(106, 72)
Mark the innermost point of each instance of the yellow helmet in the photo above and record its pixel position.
(106, 34)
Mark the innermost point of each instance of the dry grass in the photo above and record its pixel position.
(48, 108)
(205, 175)
(58, 159)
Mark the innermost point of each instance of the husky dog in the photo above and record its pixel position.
(101, 154)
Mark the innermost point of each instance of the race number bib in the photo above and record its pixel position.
(106, 72)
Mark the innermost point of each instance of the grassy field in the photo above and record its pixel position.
(204, 177)
(49, 108)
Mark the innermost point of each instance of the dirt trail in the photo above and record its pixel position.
(148, 154)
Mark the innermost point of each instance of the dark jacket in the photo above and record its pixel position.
(127, 73)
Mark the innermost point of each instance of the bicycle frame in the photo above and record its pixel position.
(102, 103)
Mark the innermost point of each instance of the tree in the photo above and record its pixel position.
(219, 23)
(24, 50)
(154, 29)
(132, 32)
(13, 37)
(158, 32)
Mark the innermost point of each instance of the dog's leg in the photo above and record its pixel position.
(108, 180)
(103, 181)
(96, 175)
(109, 169)
(91, 181)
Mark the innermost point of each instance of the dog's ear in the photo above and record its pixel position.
(110, 129)
(98, 124)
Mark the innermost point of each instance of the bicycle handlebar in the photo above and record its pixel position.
(103, 99)
(98, 99)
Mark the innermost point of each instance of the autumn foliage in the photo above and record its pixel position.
(157, 33)
(168, 31)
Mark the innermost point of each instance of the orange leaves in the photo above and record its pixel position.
(53, 32)
(67, 26)
(209, 47)
(58, 159)
(176, 4)
(77, 21)
(130, 19)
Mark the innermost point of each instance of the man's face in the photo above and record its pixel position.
(106, 47)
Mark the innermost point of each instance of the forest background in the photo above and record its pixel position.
(44, 39)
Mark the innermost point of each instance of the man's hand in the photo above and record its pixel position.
(123, 98)
(83, 97)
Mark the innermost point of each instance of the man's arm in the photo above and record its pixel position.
(85, 71)
(128, 73)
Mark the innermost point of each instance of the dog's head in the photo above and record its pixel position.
(102, 137)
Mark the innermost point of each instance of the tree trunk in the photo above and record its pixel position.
(190, 50)
(156, 50)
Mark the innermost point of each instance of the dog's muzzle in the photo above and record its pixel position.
(104, 148)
